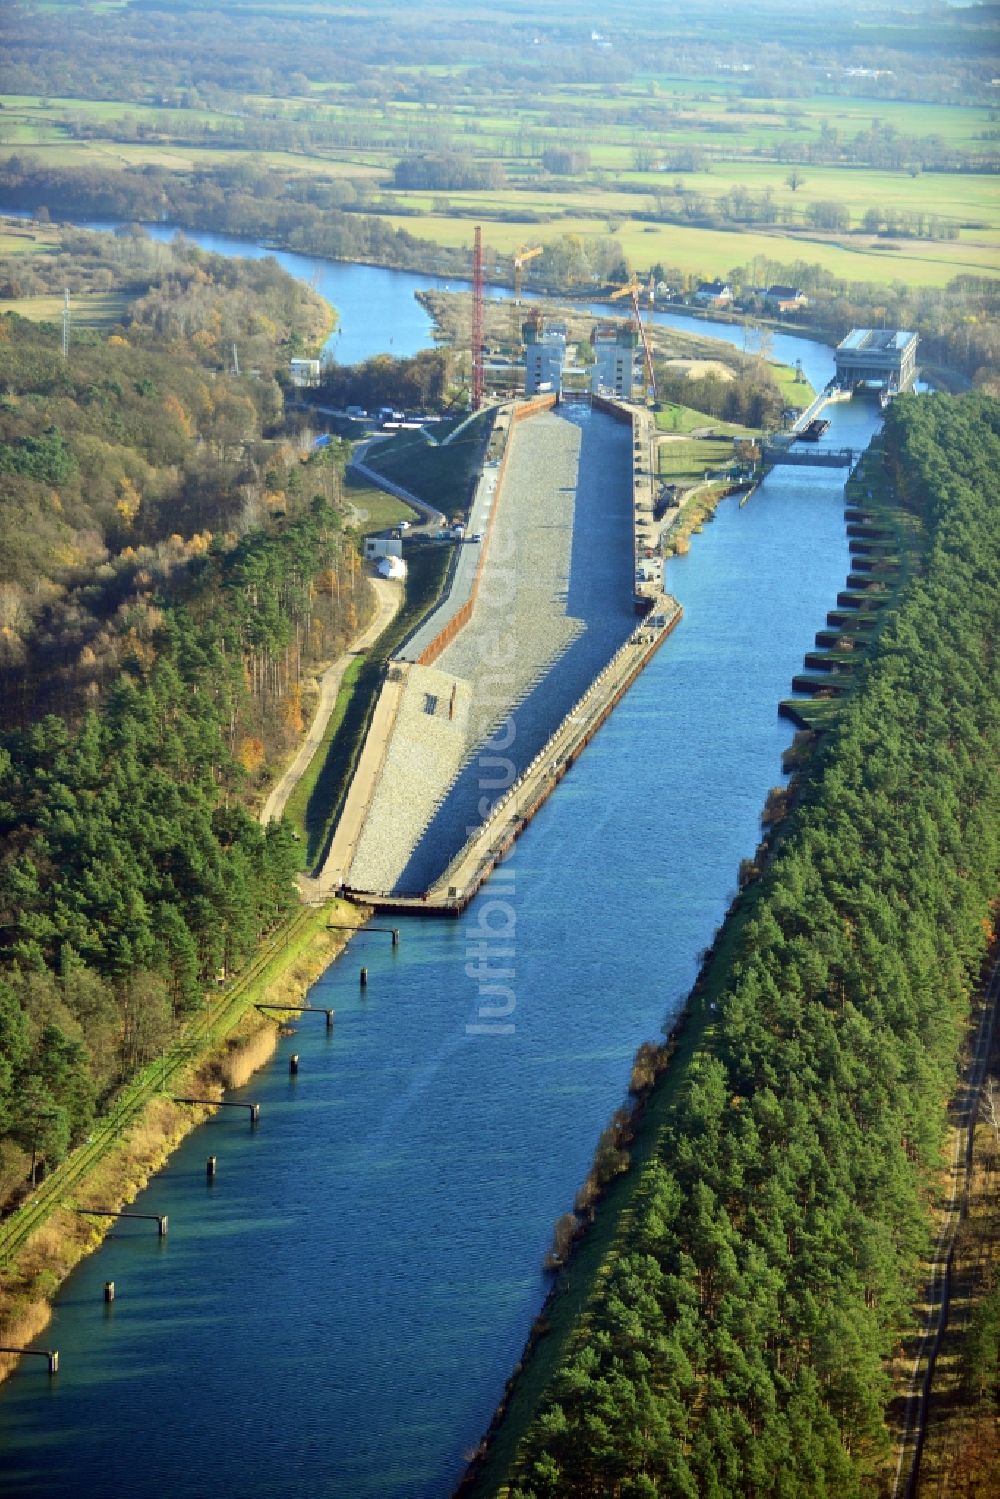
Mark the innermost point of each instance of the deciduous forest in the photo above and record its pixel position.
(172, 564)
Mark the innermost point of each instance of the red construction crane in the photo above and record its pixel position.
(478, 371)
(632, 290)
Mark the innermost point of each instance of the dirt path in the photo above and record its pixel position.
(389, 597)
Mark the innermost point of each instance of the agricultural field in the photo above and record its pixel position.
(707, 253)
(701, 173)
(88, 309)
(26, 239)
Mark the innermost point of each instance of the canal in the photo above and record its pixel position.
(337, 1313)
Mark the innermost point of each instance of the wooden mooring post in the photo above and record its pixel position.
(224, 1103)
(302, 1010)
(158, 1218)
(52, 1354)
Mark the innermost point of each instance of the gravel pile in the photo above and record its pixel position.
(428, 744)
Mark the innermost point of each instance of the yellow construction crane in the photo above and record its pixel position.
(632, 290)
(520, 258)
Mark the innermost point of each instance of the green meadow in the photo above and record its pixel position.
(662, 154)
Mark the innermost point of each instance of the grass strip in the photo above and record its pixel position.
(295, 807)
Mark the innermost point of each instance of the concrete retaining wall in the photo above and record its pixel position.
(612, 408)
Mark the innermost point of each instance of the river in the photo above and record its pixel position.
(336, 1313)
(378, 313)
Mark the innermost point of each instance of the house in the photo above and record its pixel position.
(713, 294)
(784, 298)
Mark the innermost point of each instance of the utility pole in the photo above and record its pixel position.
(65, 324)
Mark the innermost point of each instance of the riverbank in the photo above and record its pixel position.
(602, 1226)
(574, 1282)
(232, 1040)
(697, 506)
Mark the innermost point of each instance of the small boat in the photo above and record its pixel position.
(814, 430)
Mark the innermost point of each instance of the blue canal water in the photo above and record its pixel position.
(336, 1314)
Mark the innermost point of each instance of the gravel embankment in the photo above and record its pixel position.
(520, 625)
(428, 744)
(533, 653)
(554, 604)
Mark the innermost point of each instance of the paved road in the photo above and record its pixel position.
(432, 519)
(389, 596)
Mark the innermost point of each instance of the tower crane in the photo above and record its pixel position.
(520, 258)
(632, 290)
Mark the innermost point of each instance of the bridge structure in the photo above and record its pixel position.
(819, 456)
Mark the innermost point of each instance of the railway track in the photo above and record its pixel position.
(210, 1025)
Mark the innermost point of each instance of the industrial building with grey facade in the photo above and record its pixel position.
(884, 359)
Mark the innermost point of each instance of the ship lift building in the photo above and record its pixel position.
(544, 356)
(883, 359)
(618, 360)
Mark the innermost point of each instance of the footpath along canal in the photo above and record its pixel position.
(336, 1311)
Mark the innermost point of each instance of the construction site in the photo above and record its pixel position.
(553, 604)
